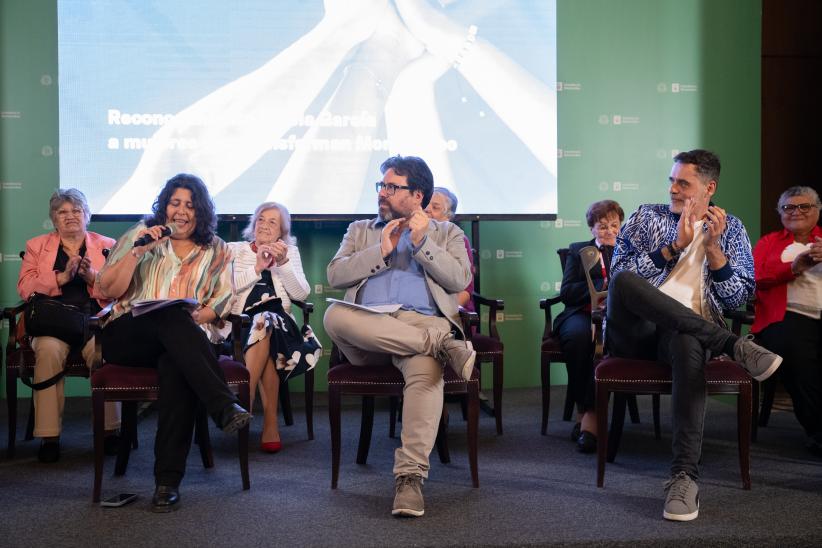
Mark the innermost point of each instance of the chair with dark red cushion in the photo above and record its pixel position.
(372, 381)
(490, 349)
(131, 385)
(308, 383)
(551, 352)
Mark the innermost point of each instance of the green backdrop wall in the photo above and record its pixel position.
(639, 80)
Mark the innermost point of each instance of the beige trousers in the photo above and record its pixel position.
(408, 341)
(50, 355)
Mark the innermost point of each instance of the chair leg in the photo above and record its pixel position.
(473, 431)
(498, 376)
(442, 438)
(769, 393)
(393, 404)
(128, 428)
(309, 403)
(11, 401)
(602, 395)
(633, 409)
(203, 439)
(285, 403)
(617, 423)
(30, 421)
(98, 419)
(366, 427)
(754, 410)
(545, 374)
(568, 409)
(744, 413)
(244, 395)
(334, 421)
(657, 429)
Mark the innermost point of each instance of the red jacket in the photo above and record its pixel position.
(772, 277)
(37, 273)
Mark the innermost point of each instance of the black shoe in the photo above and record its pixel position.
(111, 444)
(587, 442)
(165, 499)
(576, 431)
(234, 418)
(49, 451)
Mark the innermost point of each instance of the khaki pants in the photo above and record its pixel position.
(408, 341)
(50, 355)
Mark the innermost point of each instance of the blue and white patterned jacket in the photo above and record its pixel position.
(653, 226)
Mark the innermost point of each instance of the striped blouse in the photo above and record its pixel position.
(203, 275)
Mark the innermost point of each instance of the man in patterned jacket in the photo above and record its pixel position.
(674, 269)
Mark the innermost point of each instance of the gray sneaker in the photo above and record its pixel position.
(460, 355)
(682, 502)
(408, 496)
(759, 362)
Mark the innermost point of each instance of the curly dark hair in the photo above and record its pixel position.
(206, 215)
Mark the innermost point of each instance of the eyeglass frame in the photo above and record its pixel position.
(391, 188)
(791, 208)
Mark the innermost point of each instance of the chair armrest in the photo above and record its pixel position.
(597, 318)
(307, 309)
(493, 305)
(546, 305)
(12, 314)
(469, 320)
(739, 318)
(95, 327)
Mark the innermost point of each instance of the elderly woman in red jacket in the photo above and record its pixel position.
(62, 265)
(788, 267)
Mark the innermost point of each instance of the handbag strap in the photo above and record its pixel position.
(42, 385)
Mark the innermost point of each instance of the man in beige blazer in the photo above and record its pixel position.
(404, 260)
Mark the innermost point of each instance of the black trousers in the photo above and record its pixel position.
(798, 339)
(644, 323)
(189, 373)
(578, 347)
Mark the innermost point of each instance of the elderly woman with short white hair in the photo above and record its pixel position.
(62, 265)
(268, 275)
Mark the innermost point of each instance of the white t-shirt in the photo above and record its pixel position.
(684, 284)
(804, 292)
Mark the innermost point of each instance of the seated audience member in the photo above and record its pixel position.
(190, 263)
(62, 265)
(268, 274)
(675, 268)
(404, 258)
(788, 265)
(443, 207)
(573, 325)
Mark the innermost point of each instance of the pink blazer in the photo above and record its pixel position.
(37, 274)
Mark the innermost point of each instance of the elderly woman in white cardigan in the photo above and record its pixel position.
(268, 274)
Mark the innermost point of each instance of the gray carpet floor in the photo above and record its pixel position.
(534, 490)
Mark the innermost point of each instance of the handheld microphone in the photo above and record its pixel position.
(146, 239)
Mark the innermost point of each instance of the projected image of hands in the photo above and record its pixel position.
(467, 85)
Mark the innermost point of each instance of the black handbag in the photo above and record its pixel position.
(48, 317)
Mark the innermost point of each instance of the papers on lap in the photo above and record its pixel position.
(139, 308)
(378, 309)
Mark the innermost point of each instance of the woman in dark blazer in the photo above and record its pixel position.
(574, 323)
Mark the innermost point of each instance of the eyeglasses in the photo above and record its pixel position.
(390, 188)
(790, 208)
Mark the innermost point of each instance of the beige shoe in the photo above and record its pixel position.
(408, 499)
(460, 355)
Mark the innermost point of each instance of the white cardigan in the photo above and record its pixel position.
(289, 279)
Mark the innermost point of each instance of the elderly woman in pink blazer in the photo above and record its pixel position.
(63, 265)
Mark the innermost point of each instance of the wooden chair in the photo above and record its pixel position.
(489, 347)
(551, 352)
(20, 365)
(626, 376)
(308, 381)
(372, 381)
(131, 385)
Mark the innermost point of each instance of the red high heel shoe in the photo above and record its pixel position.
(271, 446)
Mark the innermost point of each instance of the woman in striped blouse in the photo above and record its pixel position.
(268, 274)
(189, 263)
